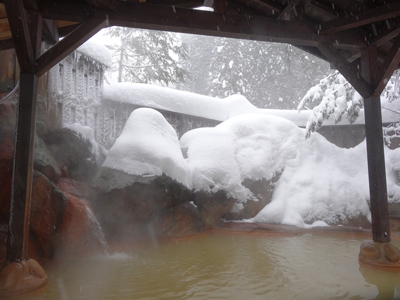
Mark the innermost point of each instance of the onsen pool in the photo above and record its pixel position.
(226, 266)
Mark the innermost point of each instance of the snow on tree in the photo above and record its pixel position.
(334, 97)
(262, 72)
(147, 56)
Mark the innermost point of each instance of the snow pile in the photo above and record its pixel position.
(87, 133)
(148, 145)
(248, 146)
(97, 52)
(322, 183)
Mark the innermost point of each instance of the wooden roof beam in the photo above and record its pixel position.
(387, 11)
(328, 12)
(68, 44)
(17, 19)
(285, 14)
(349, 71)
(386, 70)
(178, 3)
(275, 8)
(384, 33)
(110, 5)
(50, 32)
(159, 17)
(6, 44)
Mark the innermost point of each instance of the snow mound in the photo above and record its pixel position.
(97, 52)
(148, 145)
(250, 146)
(322, 183)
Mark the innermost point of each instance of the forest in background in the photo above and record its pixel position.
(269, 75)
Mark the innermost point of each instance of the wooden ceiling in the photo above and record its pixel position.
(335, 30)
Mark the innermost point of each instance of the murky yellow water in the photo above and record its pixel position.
(223, 266)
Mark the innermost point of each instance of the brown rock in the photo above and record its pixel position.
(3, 242)
(76, 188)
(369, 251)
(72, 151)
(79, 232)
(44, 162)
(47, 209)
(178, 221)
(262, 190)
(392, 253)
(120, 210)
(212, 206)
(22, 277)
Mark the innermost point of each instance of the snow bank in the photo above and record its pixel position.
(87, 133)
(97, 52)
(322, 183)
(148, 145)
(208, 107)
(247, 146)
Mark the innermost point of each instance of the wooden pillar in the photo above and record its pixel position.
(375, 151)
(18, 232)
(376, 170)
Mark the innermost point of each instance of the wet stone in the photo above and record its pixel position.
(392, 254)
(369, 251)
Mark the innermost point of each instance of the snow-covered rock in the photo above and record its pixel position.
(148, 146)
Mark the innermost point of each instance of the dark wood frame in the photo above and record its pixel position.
(262, 20)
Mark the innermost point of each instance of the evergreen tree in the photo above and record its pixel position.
(268, 74)
(147, 56)
(334, 96)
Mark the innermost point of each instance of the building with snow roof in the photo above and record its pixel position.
(75, 84)
(75, 90)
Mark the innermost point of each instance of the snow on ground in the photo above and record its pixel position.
(208, 107)
(320, 182)
(248, 146)
(97, 52)
(148, 145)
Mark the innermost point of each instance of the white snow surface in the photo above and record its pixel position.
(97, 52)
(320, 183)
(250, 146)
(208, 107)
(148, 145)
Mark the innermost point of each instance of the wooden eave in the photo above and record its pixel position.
(349, 26)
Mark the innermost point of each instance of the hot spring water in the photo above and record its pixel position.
(226, 266)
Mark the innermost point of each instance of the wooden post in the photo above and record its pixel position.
(375, 152)
(18, 232)
(376, 170)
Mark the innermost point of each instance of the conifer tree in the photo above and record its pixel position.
(147, 56)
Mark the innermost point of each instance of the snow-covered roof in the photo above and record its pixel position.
(182, 102)
(97, 52)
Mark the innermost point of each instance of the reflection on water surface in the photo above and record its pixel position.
(222, 266)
